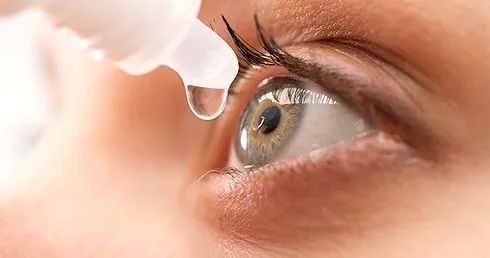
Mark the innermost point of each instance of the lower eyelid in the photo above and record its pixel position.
(257, 201)
(373, 151)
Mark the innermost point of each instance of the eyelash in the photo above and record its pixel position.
(297, 95)
(251, 57)
(300, 96)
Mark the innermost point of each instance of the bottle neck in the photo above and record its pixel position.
(204, 59)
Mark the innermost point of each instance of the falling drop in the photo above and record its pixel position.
(206, 103)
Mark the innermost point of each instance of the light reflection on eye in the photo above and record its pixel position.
(289, 117)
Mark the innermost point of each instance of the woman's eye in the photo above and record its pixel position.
(289, 117)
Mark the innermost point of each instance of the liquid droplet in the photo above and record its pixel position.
(206, 103)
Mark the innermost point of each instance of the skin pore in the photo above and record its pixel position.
(116, 174)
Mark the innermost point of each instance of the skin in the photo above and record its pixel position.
(119, 172)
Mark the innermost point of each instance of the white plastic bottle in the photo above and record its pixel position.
(141, 35)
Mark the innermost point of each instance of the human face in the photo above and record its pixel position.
(123, 173)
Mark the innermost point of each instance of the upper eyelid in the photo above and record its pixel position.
(273, 55)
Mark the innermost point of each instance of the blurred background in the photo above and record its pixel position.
(25, 104)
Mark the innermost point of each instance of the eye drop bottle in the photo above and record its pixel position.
(141, 35)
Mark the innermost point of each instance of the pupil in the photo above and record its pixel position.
(269, 120)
